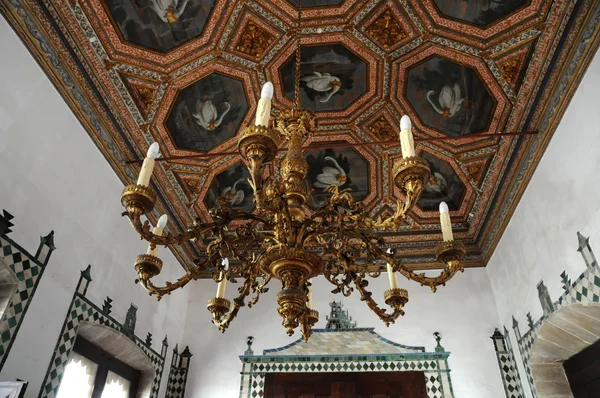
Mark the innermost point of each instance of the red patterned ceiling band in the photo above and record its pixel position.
(346, 145)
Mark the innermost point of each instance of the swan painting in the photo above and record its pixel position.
(437, 184)
(207, 116)
(323, 83)
(168, 10)
(237, 196)
(331, 175)
(449, 99)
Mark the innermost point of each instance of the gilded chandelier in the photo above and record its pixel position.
(282, 239)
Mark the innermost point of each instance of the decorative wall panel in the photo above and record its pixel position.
(346, 350)
(80, 310)
(178, 374)
(584, 290)
(28, 270)
(508, 368)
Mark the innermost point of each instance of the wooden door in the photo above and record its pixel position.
(346, 385)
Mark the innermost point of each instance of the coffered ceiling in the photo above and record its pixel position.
(188, 73)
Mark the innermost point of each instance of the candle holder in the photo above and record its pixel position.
(218, 307)
(411, 174)
(259, 142)
(147, 266)
(451, 253)
(138, 199)
(396, 298)
(310, 318)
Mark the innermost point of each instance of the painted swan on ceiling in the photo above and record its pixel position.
(168, 10)
(331, 175)
(449, 100)
(237, 197)
(437, 184)
(206, 114)
(323, 83)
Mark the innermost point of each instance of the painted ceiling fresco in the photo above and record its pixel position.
(479, 12)
(207, 112)
(188, 74)
(331, 77)
(160, 25)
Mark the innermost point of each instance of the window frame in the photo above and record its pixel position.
(106, 363)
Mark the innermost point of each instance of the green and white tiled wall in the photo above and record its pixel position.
(585, 289)
(28, 270)
(80, 310)
(368, 353)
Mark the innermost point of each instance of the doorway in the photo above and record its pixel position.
(346, 385)
(583, 372)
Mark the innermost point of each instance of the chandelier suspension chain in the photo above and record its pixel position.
(298, 59)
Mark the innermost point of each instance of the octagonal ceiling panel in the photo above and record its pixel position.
(343, 167)
(232, 184)
(449, 97)
(331, 77)
(190, 78)
(482, 23)
(444, 186)
(479, 12)
(159, 25)
(207, 112)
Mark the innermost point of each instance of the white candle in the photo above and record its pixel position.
(407, 141)
(263, 110)
(158, 230)
(223, 284)
(148, 165)
(392, 276)
(446, 223)
(309, 301)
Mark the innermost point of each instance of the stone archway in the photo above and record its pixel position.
(565, 333)
(122, 348)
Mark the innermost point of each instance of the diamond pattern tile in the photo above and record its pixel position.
(586, 289)
(82, 309)
(369, 352)
(28, 271)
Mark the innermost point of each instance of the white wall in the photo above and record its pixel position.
(52, 177)
(563, 197)
(463, 312)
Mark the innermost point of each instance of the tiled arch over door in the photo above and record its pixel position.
(346, 350)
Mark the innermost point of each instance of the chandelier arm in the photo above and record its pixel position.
(256, 181)
(145, 280)
(366, 296)
(159, 292)
(394, 221)
(222, 323)
(260, 289)
(198, 231)
(286, 234)
(144, 230)
(431, 282)
(342, 286)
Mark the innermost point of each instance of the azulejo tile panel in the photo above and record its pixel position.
(359, 357)
(27, 271)
(80, 310)
(178, 374)
(584, 290)
(511, 379)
